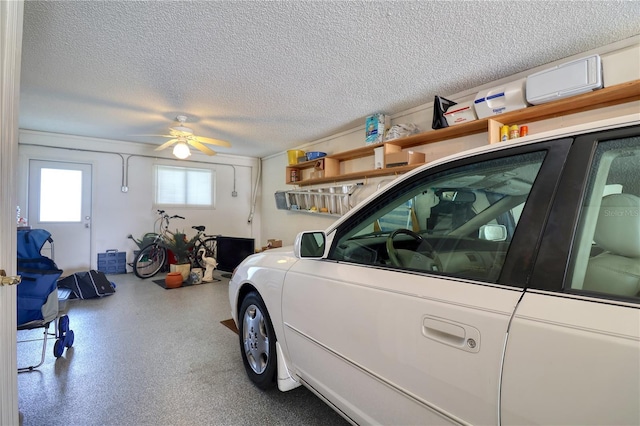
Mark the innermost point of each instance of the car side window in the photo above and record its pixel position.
(458, 222)
(606, 252)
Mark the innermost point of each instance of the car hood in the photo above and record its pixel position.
(281, 258)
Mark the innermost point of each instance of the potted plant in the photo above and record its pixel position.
(181, 247)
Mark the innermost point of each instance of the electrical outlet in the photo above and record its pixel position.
(234, 194)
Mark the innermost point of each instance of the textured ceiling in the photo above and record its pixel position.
(268, 76)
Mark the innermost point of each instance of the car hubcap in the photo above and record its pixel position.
(256, 340)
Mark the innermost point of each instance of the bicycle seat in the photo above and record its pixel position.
(199, 228)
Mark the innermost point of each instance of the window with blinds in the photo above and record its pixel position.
(184, 186)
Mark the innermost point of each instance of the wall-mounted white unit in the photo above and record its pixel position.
(564, 80)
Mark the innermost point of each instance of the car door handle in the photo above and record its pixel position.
(451, 333)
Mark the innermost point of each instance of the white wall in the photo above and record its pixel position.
(285, 225)
(116, 214)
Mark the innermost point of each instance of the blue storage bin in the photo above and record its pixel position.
(112, 262)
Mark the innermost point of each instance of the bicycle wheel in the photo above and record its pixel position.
(149, 261)
(210, 246)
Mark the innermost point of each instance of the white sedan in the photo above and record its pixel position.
(498, 286)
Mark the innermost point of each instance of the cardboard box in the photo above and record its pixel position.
(460, 113)
(274, 243)
(317, 174)
(375, 127)
(403, 158)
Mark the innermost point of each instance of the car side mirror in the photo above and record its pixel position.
(493, 233)
(310, 245)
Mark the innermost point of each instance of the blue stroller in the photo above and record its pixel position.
(37, 294)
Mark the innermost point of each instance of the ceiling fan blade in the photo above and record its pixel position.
(166, 144)
(212, 141)
(201, 147)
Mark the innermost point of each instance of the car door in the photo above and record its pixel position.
(573, 353)
(420, 339)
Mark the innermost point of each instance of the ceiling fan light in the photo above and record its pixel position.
(181, 150)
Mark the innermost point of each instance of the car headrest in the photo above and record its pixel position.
(618, 227)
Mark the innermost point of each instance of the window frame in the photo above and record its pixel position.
(521, 254)
(551, 270)
(186, 169)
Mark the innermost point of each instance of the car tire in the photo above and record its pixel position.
(257, 341)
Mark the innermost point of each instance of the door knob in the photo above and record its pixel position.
(5, 280)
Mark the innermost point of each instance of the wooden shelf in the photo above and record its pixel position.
(614, 95)
(358, 175)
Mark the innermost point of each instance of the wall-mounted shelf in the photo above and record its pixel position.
(614, 95)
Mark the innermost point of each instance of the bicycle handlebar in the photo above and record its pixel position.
(163, 220)
(166, 216)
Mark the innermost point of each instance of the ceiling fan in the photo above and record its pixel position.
(183, 136)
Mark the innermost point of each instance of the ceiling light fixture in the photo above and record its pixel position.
(181, 150)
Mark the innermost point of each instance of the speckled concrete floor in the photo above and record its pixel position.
(150, 356)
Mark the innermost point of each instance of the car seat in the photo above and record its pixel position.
(616, 270)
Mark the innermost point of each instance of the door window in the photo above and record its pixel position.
(459, 222)
(60, 195)
(606, 255)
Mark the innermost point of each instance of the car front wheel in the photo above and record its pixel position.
(257, 341)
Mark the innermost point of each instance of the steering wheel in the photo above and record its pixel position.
(413, 259)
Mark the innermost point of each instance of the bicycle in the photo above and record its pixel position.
(205, 246)
(153, 253)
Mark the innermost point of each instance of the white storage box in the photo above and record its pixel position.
(498, 100)
(378, 155)
(460, 113)
(564, 80)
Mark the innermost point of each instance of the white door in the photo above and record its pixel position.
(60, 202)
(11, 36)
